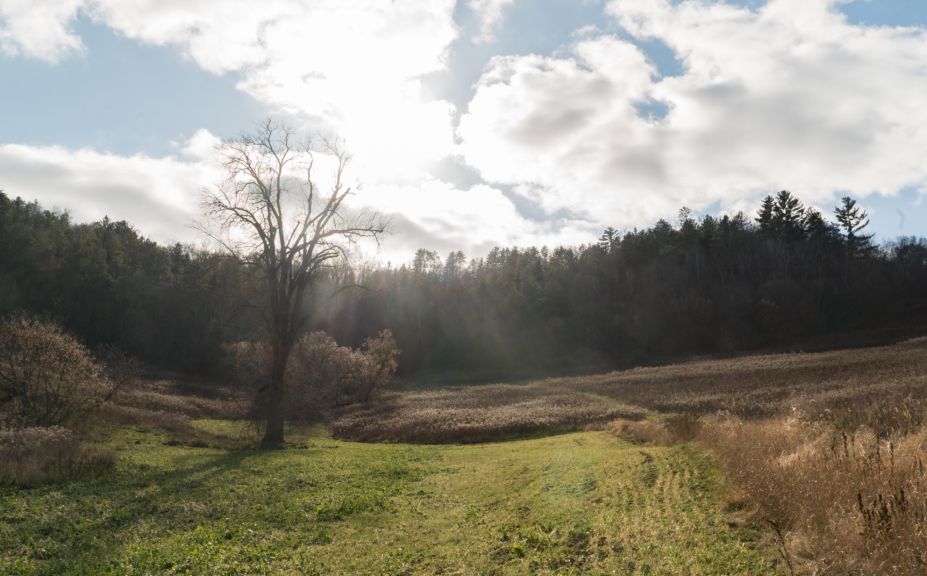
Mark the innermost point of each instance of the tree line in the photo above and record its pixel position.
(695, 286)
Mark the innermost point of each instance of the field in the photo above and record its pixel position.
(580, 503)
(884, 384)
(511, 478)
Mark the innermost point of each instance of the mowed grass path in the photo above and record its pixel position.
(580, 503)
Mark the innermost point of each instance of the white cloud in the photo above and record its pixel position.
(790, 95)
(39, 28)
(158, 195)
(162, 196)
(438, 215)
(350, 67)
(491, 13)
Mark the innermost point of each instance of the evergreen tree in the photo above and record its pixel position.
(764, 217)
(788, 216)
(853, 220)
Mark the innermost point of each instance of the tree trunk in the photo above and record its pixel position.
(275, 399)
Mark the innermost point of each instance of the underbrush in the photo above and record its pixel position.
(839, 503)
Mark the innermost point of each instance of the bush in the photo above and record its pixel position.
(642, 431)
(30, 456)
(321, 374)
(47, 378)
(377, 365)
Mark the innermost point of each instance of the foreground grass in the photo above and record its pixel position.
(581, 503)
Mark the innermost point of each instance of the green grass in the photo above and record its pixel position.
(580, 503)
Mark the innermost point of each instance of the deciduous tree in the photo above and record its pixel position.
(271, 213)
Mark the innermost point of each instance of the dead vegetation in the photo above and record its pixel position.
(477, 414)
(820, 384)
(170, 402)
(30, 456)
(840, 503)
(832, 458)
(881, 387)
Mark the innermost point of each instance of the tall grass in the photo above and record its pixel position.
(844, 503)
(30, 456)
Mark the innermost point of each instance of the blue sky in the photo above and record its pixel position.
(507, 121)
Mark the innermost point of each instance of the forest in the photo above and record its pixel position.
(787, 277)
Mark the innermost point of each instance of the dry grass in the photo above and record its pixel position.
(842, 383)
(841, 503)
(170, 405)
(827, 449)
(882, 388)
(642, 432)
(31, 456)
(477, 414)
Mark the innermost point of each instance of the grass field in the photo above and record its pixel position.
(580, 503)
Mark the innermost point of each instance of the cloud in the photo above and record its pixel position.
(490, 13)
(345, 67)
(162, 198)
(439, 215)
(788, 95)
(158, 195)
(39, 28)
(351, 69)
(348, 67)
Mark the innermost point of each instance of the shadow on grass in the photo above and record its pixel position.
(88, 522)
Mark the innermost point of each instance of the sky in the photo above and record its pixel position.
(474, 123)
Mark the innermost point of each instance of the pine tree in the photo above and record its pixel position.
(608, 238)
(853, 220)
(788, 216)
(764, 217)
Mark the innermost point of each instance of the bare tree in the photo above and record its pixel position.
(270, 212)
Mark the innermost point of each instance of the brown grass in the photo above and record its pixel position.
(169, 404)
(30, 456)
(842, 503)
(839, 385)
(477, 414)
(882, 388)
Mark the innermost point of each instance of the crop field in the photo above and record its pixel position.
(580, 503)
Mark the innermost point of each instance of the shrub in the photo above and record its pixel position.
(378, 364)
(321, 374)
(47, 378)
(30, 456)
